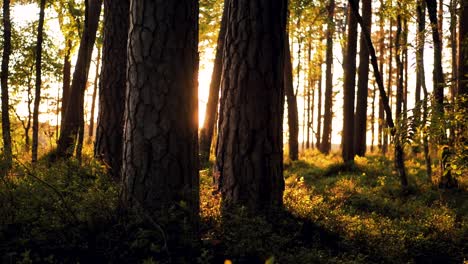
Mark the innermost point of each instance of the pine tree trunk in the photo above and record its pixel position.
(360, 125)
(160, 161)
(319, 106)
(325, 145)
(206, 132)
(454, 48)
(293, 122)
(382, 53)
(349, 63)
(73, 119)
(6, 133)
(112, 85)
(93, 99)
(250, 148)
(463, 51)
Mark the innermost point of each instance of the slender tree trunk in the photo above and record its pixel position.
(206, 132)
(454, 48)
(160, 155)
(309, 99)
(93, 100)
(250, 153)
(319, 107)
(399, 161)
(112, 85)
(66, 81)
(6, 133)
(325, 145)
(293, 122)
(421, 83)
(73, 119)
(310, 114)
(382, 53)
(405, 69)
(373, 120)
(389, 84)
(349, 88)
(360, 122)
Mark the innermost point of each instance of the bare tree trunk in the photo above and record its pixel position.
(206, 132)
(453, 45)
(160, 155)
(93, 100)
(399, 161)
(463, 51)
(66, 81)
(250, 148)
(293, 122)
(328, 115)
(360, 122)
(319, 106)
(6, 133)
(349, 62)
(73, 119)
(373, 120)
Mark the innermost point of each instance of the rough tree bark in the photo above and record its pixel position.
(325, 145)
(293, 118)
(349, 63)
(6, 133)
(360, 122)
(73, 119)
(37, 96)
(160, 152)
(206, 132)
(250, 149)
(112, 84)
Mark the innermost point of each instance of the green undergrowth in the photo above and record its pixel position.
(69, 213)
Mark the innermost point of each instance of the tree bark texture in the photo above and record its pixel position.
(293, 116)
(360, 122)
(6, 133)
(160, 152)
(74, 119)
(37, 96)
(250, 144)
(206, 132)
(349, 82)
(112, 85)
(325, 145)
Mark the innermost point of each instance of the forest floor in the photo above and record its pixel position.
(68, 213)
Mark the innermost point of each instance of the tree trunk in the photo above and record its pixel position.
(66, 81)
(206, 132)
(6, 133)
(463, 51)
(325, 145)
(399, 161)
(73, 118)
(389, 83)
(421, 83)
(93, 100)
(293, 122)
(373, 121)
(37, 97)
(382, 52)
(112, 85)
(319, 105)
(308, 98)
(349, 62)
(454, 48)
(250, 144)
(160, 161)
(360, 125)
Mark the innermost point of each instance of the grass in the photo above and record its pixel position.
(332, 214)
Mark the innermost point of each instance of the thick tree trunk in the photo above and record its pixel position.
(93, 99)
(73, 119)
(325, 145)
(250, 148)
(37, 96)
(160, 161)
(6, 133)
(463, 51)
(206, 132)
(349, 62)
(112, 84)
(293, 118)
(360, 125)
